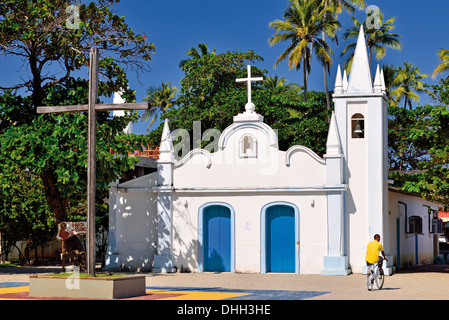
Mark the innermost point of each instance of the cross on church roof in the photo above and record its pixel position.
(249, 107)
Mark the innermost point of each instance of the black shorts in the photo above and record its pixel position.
(381, 259)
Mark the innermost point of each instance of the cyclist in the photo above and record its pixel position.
(372, 253)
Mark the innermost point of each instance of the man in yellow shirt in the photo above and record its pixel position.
(372, 253)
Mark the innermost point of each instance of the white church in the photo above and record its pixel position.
(252, 208)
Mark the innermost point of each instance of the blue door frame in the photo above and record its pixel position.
(279, 228)
(216, 224)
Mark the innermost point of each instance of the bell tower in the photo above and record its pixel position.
(361, 116)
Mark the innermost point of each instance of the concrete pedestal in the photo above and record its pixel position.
(336, 266)
(88, 288)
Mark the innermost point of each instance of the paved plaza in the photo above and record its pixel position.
(419, 283)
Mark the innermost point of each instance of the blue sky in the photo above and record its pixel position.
(239, 25)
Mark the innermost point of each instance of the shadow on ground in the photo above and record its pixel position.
(425, 268)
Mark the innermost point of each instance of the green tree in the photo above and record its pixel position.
(279, 84)
(161, 99)
(194, 54)
(210, 94)
(408, 83)
(419, 147)
(390, 73)
(377, 39)
(37, 32)
(54, 149)
(443, 55)
(303, 22)
(41, 34)
(24, 213)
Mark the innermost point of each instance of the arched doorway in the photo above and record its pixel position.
(217, 238)
(280, 237)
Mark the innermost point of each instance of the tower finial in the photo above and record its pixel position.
(338, 82)
(377, 81)
(166, 148)
(345, 81)
(360, 80)
(382, 80)
(333, 143)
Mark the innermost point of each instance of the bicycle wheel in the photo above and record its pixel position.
(380, 279)
(369, 280)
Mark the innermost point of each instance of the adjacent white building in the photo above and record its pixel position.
(250, 207)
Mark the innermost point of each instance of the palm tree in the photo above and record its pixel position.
(304, 21)
(408, 80)
(161, 99)
(194, 54)
(443, 54)
(377, 39)
(390, 73)
(277, 84)
(339, 5)
(349, 6)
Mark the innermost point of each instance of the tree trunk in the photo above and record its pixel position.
(58, 205)
(305, 79)
(36, 95)
(369, 57)
(36, 256)
(326, 88)
(55, 200)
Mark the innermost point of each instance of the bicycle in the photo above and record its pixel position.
(374, 275)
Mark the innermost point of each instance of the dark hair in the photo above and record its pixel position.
(376, 235)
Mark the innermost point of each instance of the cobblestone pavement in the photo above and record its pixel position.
(419, 283)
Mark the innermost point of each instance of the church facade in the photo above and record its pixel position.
(252, 208)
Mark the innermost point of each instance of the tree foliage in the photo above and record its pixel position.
(210, 94)
(408, 83)
(24, 213)
(160, 99)
(54, 47)
(419, 147)
(54, 149)
(303, 22)
(378, 38)
(37, 32)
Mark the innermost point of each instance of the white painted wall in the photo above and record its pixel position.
(248, 184)
(269, 169)
(416, 206)
(137, 230)
(357, 195)
(248, 209)
(133, 224)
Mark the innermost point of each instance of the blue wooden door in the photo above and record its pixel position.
(280, 239)
(217, 238)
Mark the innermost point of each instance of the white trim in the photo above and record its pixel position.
(189, 156)
(326, 188)
(266, 129)
(306, 150)
(129, 184)
(252, 154)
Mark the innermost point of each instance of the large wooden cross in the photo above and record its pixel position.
(92, 109)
